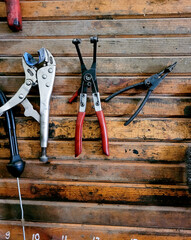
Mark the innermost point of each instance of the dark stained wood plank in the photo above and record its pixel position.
(50, 231)
(140, 129)
(101, 171)
(109, 28)
(98, 214)
(107, 85)
(100, 8)
(141, 194)
(105, 65)
(106, 47)
(92, 150)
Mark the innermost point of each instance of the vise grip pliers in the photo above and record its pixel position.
(151, 83)
(89, 80)
(41, 73)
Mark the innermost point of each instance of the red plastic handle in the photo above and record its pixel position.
(78, 135)
(14, 17)
(102, 123)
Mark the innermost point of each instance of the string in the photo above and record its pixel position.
(21, 206)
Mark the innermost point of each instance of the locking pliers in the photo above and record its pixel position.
(41, 73)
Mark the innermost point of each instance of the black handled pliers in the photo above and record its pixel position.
(16, 164)
(151, 83)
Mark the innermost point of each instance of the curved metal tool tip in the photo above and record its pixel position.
(171, 67)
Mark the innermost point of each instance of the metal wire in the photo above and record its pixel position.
(21, 206)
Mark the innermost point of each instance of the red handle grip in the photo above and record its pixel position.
(102, 123)
(73, 97)
(78, 135)
(14, 17)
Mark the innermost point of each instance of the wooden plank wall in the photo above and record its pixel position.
(139, 192)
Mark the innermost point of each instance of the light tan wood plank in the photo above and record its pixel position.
(107, 85)
(100, 8)
(111, 66)
(106, 47)
(111, 28)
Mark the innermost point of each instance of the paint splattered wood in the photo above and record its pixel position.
(153, 152)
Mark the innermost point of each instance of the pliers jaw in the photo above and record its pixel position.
(150, 83)
(89, 80)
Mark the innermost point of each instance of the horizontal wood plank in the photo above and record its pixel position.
(140, 129)
(107, 85)
(119, 106)
(144, 194)
(52, 231)
(111, 66)
(109, 28)
(102, 171)
(87, 9)
(98, 214)
(92, 150)
(106, 47)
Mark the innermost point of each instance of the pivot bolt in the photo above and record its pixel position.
(28, 82)
(21, 96)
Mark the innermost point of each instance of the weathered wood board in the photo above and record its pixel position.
(138, 192)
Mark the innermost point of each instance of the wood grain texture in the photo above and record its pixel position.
(98, 214)
(106, 28)
(140, 129)
(111, 66)
(153, 152)
(172, 85)
(112, 47)
(52, 231)
(87, 9)
(119, 106)
(101, 171)
(67, 191)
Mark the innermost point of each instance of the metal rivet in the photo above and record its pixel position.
(44, 76)
(21, 96)
(47, 84)
(28, 82)
(50, 70)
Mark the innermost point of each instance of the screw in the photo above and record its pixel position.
(97, 103)
(44, 76)
(82, 105)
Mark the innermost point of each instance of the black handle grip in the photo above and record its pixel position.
(16, 164)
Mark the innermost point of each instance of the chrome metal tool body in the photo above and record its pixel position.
(41, 73)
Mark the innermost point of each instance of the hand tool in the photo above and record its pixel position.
(14, 18)
(151, 83)
(41, 73)
(89, 80)
(16, 164)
